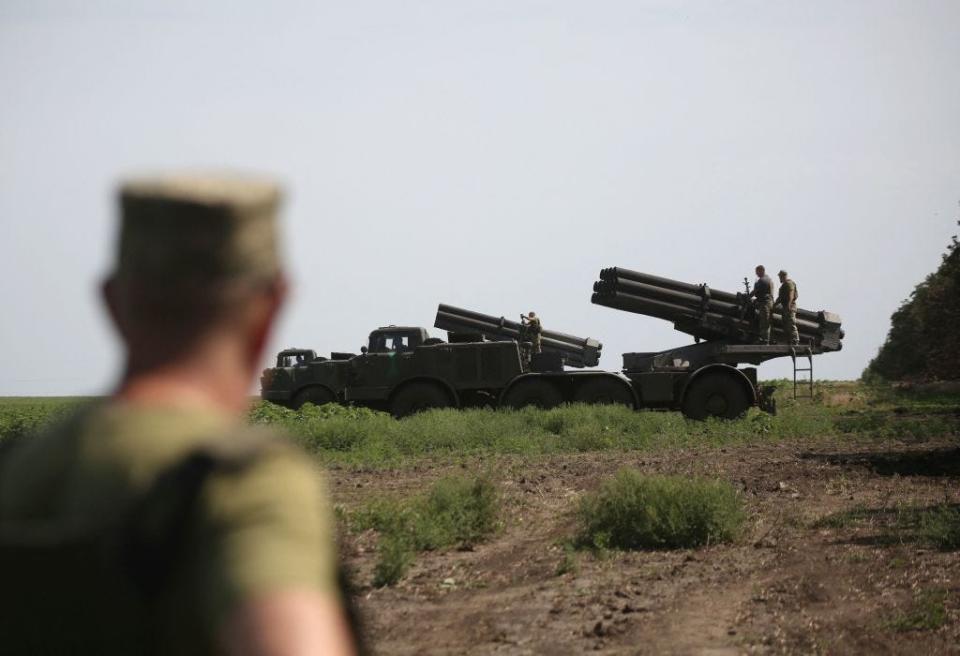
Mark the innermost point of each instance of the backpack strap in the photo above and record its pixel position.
(155, 535)
(152, 538)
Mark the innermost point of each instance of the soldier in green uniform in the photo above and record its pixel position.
(763, 292)
(533, 330)
(156, 520)
(787, 300)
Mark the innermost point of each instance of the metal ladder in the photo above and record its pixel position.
(802, 352)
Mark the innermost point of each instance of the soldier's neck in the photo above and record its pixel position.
(202, 381)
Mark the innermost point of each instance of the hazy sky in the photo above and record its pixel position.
(492, 155)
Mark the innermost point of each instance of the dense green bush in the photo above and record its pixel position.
(634, 511)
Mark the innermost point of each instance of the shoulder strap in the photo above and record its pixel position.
(155, 537)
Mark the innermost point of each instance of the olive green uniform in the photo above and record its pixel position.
(534, 329)
(763, 292)
(253, 529)
(787, 300)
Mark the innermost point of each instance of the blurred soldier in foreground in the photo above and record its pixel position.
(156, 521)
(533, 330)
(763, 292)
(787, 300)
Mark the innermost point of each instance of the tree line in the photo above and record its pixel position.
(924, 339)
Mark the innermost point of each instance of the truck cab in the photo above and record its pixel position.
(300, 376)
(293, 357)
(396, 339)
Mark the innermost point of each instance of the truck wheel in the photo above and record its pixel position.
(536, 391)
(418, 396)
(314, 395)
(715, 395)
(597, 391)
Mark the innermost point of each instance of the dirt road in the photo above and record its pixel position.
(828, 563)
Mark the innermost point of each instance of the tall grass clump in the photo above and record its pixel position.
(927, 612)
(635, 511)
(454, 510)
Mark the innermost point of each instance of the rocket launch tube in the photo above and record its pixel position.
(576, 351)
(666, 283)
(618, 274)
(446, 321)
(674, 312)
(726, 312)
(509, 324)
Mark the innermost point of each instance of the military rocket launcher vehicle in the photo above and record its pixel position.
(404, 370)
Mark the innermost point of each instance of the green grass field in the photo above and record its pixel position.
(629, 510)
(357, 436)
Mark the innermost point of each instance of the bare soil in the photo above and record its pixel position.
(791, 585)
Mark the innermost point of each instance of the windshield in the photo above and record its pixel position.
(390, 343)
(292, 359)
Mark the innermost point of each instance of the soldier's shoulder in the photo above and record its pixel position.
(245, 445)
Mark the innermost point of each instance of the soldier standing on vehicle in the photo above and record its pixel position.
(763, 292)
(157, 520)
(787, 300)
(533, 330)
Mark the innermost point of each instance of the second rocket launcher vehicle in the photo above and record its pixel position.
(574, 351)
(705, 313)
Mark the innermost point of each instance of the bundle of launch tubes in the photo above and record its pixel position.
(574, 351)
(707, 313)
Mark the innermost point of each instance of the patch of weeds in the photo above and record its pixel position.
(940, 526)
(937, 526)
(396, 556)
(898, 562)
(845, 518)
(569, 563)
(635, 511)
(455, 510)
(926, 613)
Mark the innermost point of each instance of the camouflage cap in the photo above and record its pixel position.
(198, 229)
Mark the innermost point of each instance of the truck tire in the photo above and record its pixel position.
(316, 395)
(418, 396)
(597, 391)
(715, 394)
(534, 391)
